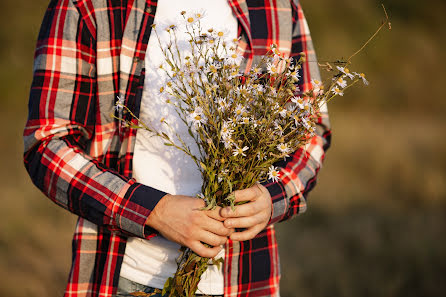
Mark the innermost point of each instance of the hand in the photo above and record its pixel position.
(253, 215)
(179, 219)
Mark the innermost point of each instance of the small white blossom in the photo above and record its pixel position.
(341, 82)
(283, 148)
(272, 68)
(197, 117)
(337, 91)
(226, 131)
(120, 103)
(234, 58)
(240, 110)
(273, 174)
(239, 151)
(362, 76)
(228, 142)
(346, 71)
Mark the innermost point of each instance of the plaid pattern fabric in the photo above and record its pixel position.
(88, 53)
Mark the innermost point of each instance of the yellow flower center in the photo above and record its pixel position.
(190, 19)
(246, 121)
(197, 117)
(220, 34)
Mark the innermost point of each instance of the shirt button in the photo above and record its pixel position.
(148, 9)
(136, 59)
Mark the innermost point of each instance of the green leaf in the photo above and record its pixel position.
(168, 144)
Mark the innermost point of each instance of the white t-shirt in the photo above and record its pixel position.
(151, 262)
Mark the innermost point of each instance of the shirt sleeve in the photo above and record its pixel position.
(298, 173)
(62, 120)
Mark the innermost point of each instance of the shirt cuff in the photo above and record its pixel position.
(139, 200)
(279, 203)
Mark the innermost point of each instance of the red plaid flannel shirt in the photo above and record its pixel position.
(88, 53)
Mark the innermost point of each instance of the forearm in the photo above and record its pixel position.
(77, 182)
(298, 173)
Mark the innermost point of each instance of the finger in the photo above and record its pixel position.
(204, 251)
(215, 214)
(211, 238)
(215, 227)
(244, 222)
(247, 194)
(244, 210)
(246, 234)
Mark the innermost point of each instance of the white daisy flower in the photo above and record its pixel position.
(337, 91)
(362, 76)
(239, 151)
(294, 74)
(239, 110)
(234, 58)
(197, 117)
(273, 174)
(278, 129)
(260, 88)
(346, 71)
(298, 101)
(228, 142)
(245, 120)
(226, 131)
(283, 148)
(282, 111)
(341, 82)
(272, 68)
(120, 103)
(222, 104)
(317, 84)
(256, 70)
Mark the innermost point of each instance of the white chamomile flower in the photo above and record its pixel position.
(222, 104)
(278, 128)
(317, 84)
(226, 131)
(256, 70)
(272, 68)
(228, 142)
(239, 110)
(283, 148)
(260, 88)
(120, 103)
(245, 120)
(337, 91)
(362, 76)
(197, 117)
(294, 74)
(273, 174)
(298, 101)
(346, 71)
(306, 123)
(282, 111)
(341, 82)
(240, 151)
(234, 58)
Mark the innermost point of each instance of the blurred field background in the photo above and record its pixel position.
(376, 222)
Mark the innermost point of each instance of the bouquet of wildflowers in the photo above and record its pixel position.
(242, 122)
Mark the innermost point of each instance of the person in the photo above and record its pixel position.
(136, 205)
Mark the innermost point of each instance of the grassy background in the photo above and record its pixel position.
(376, 221)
